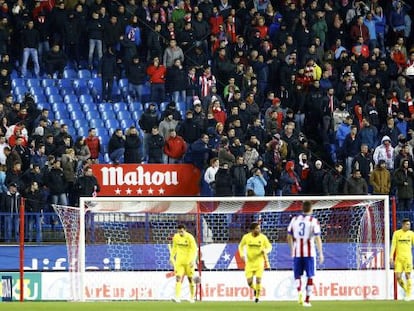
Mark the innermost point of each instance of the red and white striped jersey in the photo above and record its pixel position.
(303, 229)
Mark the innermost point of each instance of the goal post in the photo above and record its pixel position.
(123, 242)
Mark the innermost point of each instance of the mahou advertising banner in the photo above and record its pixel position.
(147, 179)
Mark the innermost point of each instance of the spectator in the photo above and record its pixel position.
(174, 148)
(356, 184)
(82, 153)
(171, 53)
(403, 179)
(289, 180)
(223, 181)
(157, 75)
(55, 61)
(30, 38)
(94, 144)
(10, 205)
(380, 179)
(364, 162)
(385, 152)
(116, 146)
(136, 75)
(95, 31)
(333, 182)
(56, 183)
(34, 208)
(167, 124)
(176, 81)
(133, 146)
(199, 152)
(69, 166)
(155, 146)
(256, 183)
(109, 72)
(87, 185)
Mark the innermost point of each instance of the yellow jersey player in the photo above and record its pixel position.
(183, 258)
(254, 248)
(401, 255)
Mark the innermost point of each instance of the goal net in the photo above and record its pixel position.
(118, 248)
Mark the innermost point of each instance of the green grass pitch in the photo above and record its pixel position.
(209, 306)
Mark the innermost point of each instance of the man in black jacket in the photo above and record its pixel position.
(34, 209)
(87, 185)
(55, 61)
(136, 75)
(10, 204)
(30, 41)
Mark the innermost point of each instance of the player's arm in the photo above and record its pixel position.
(193, 250)
(242, 244)
(393, 246)
(173, 251)
(266, 250)
(318, 242)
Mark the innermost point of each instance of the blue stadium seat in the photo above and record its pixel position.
(108, 114)
(181, 106)
(105, 107)
(78, 123)
(32, 82)
(123, 115)
(55, 98)
(51, 90)
(69, 73)
(81, 86)
(58, 106)
(43, 104)
(85, 99)
(123, 87)
(95, 88)
(89, 107)
(39, 98)
(104, 139)
(84, 74)
(71, 98)
(101, 131)
(126, 123)
(146, 105)
(61, 115)
(135, 106)
(82, 131)
(67, 91)
(20, 90)
(120, 106)
(36, 90)
(136, 115)
(111, 124)
(92, 114)
(163, 106)
(96, 123)
(17, 82)
(77, 115)
(73, 106)
(48, 82)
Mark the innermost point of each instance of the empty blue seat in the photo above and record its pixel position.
(20, 90)
(51, 90)
(39, 97)
(77, 115)
(121, 106)
(90, 107)
(73, 106)
(58, 106)
(85, 99)
(61, 115)
(33, 82)
(135, 106)
(109, 114)
(47, 82)
(126, 123)
(95, 88)
(81, 86)
(36, 90)
(18, 82)
(67, 91)
(105, 107)
(96, 123)
(101, 131)
(136, 115)
(84, 74)
(92, 114)
(55, 98)
(82, 131)
(70, 98)
(123, 114)
(43, 104)
(111, 123)
(81, 122)
(69, 73)
(181, 106)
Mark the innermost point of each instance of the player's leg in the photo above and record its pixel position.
(189, 271)
(408, 286)
(249, 278)
(179, 273)
(298, 272)
(398, 270)
(309, 263)
(259, 274)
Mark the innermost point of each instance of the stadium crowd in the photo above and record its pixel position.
(278, 97)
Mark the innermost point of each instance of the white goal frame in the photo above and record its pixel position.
(81, 269)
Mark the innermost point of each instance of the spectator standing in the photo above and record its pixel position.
(256, 184)
(290, 180)
(95, 30)
(356, 184)
(109, 72)
(87, 185)
(157, 75)
(56, 182)
(133, 146)
(116, 146)
(333, 182)
(30, 38)
(403, 179)
(34, 208)
(176, 81)
(174, 148)
(223, 181)
(69, 167)
(148, 120)
(155, 146)
(171, 53)
(385, 152)
(136, 75)
(55, 61)
(10, 204)
(380, 179)
(240, 174)
(94, 144)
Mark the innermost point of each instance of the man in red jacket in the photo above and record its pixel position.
(156, 72)
(174, 148)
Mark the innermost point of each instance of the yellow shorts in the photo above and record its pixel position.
(403, 265)
(184, 269)
(257, 272)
